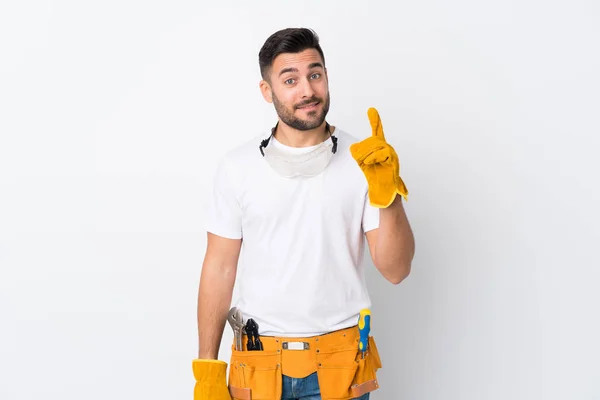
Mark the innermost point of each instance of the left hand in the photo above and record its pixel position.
(379, 162)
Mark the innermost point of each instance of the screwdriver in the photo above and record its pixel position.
(364, 328)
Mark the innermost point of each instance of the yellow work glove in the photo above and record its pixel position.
(379, 162)
(211, 380)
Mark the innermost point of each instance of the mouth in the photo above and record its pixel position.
(309, 107)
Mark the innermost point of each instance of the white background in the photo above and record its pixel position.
(114, 113)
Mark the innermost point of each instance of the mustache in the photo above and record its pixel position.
(313, 100)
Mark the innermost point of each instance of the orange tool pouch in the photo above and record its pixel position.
(342, 371)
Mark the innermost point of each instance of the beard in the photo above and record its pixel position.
(315, 118)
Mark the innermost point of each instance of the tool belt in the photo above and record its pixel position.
(343, 371)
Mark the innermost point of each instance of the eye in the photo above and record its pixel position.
(316, 75)
(289, 81)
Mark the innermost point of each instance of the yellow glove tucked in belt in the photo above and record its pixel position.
(379, 162)
(211, 380)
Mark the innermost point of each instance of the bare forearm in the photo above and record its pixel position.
(214, 299)
(395, 246)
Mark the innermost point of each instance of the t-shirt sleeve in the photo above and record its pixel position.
(223, 213)
(370, 218)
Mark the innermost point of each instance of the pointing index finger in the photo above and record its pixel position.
(375, 120)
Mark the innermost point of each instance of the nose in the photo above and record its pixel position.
(307, 90)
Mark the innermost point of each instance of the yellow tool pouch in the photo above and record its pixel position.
(255, 375)
(342, 371)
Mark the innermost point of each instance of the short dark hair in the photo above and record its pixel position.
(289, 40)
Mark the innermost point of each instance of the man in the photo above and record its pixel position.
(297, 206)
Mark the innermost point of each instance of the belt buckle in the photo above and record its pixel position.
(295, 345)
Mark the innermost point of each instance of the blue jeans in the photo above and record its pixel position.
(305, 389)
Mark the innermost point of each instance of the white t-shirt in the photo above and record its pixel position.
(301, 264)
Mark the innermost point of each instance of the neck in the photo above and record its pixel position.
(289, 136)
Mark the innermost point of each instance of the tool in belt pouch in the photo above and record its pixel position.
(345, 368)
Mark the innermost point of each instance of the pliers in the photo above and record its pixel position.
(254, 342)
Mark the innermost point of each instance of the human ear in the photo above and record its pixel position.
(265, 89)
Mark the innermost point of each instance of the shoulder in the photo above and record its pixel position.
(346, 163)
(242, 156)
(344, 141)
